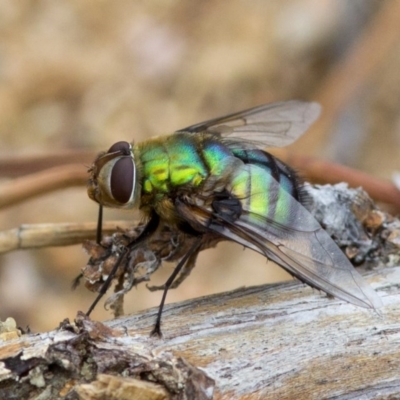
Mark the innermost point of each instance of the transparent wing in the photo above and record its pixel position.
(300, 246)
(271, 125)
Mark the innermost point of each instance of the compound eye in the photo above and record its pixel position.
(122, 179)
(123, 147)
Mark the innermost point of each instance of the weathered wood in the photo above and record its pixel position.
(280, 341)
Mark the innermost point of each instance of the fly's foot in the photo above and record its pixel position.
(156, 331)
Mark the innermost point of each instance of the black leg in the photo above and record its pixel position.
(185, 272)
(76, 282)
(99, 225)
(99, 230)
(157, 327)
(107, 283)
(147, 231)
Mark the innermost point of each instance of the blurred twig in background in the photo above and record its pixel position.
(40, 183)
(15, 166)
(319, 171)
(313, 170)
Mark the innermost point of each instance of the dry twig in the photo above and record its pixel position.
(39, 183)
(322, 172)
(45, 235)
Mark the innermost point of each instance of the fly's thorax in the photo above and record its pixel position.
(184, 162)
(113, 181)
(171, 163)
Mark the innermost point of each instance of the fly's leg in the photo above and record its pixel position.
(185, 272)
(107, 282)
(193, 251)
(148, 230)
(99, 230)
(76, 282)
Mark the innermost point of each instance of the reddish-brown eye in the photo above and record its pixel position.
(123, 147)
(122, 179)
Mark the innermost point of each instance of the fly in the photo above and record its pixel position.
(213, 181)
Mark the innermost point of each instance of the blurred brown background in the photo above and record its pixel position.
(81, 75)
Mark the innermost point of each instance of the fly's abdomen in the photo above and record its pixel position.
(265, 186)
(281, 173)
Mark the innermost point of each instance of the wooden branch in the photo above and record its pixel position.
(45, 235)
(280, 341)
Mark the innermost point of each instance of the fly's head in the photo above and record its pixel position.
(113, 177)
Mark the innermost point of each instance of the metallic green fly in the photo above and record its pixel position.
(214, 182)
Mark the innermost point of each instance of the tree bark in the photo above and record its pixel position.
(279, 341)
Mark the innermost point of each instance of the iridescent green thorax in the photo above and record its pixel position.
(181, 161)
(170, 162)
